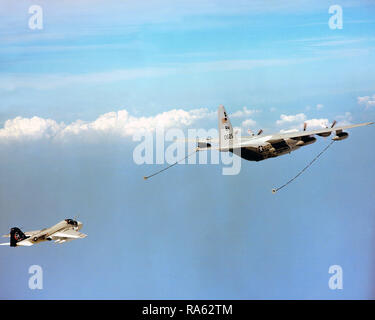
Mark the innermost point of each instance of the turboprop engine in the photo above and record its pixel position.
(203, 145)
(327, 134)
(306, 141)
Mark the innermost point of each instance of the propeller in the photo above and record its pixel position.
(327, 134)
(252, 133)
(333, 124)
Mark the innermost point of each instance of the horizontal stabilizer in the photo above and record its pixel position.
(25, 243)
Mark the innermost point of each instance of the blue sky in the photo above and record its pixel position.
(192, 233)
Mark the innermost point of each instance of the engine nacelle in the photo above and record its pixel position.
(204, 145)
(340, 136)
(306, 140)
(325, 134)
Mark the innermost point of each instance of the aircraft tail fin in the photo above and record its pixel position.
(225, 129)
(16, 235)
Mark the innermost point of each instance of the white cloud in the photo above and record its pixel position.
(317, 123)
(319, 106)
(119, 123)
(288, 130)
(367, 101)
(248, 123)
(311, 124)
(244, 112)
(287, 119)
(34, 128)
(123, 124)
(296, 122)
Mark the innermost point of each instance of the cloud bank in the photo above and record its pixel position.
(119, 123)
(122, 124)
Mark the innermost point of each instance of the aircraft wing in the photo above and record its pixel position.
(25, 243)
(290, 135)
(67, 235)
(61, 240)
(278, 137)
(198, 140)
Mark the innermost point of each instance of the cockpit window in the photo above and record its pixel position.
(71, 221)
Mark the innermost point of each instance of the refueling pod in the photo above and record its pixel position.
(340, 136)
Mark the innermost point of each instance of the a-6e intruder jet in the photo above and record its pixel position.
(263, 146)
(64, 231)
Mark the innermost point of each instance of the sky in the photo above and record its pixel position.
(74, 93)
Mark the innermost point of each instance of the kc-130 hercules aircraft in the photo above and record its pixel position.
(261, 146)
(64, 231)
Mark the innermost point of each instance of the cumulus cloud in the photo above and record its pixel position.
(317, 123)
(342, 120)
(287, 119)
(248, 123)
(295, 122)
(244, 112)
(312, 124)
(34, 128)
(119, 123)
(288, 130)
(122, 124)
(367, 101)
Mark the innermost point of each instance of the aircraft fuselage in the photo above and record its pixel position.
(271, 150)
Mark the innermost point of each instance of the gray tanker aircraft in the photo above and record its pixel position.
(64, 231)
(263, 146)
